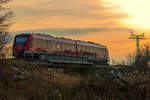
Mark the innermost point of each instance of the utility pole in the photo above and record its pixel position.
(138, 38)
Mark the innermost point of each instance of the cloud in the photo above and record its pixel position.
(65, 14)
(76, 8)
(72, 31)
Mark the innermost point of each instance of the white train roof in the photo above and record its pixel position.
(67, 40)
(49, 37)
(90, 44)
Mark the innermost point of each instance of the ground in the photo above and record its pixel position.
(20, 80)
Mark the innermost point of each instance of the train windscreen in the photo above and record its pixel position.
(21, 40)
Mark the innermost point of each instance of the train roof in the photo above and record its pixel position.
(67, 40)
(91, 44)
(49, 37)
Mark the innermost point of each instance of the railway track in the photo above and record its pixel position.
(67, 64)
(66, 67)
(72, 68)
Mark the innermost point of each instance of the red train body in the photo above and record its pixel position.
(54, 45)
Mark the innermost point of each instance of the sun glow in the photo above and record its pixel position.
(138, 11)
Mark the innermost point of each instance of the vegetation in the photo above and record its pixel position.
(21, 80)
(141, 60)
(5, 22)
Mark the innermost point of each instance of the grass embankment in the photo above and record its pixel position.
(20, 80)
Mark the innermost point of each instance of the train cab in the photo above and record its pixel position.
(21, 44)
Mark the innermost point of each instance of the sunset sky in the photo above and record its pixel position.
(107, 22)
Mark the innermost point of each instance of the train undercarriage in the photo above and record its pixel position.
(67, 63)
(62, 58)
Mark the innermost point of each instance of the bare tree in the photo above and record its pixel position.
(143, 61)
(5, 22)
(143, 58)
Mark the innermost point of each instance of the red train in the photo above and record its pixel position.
(40, 43)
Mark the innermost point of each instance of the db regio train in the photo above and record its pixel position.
(58, 49)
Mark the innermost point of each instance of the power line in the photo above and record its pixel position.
(138, 38)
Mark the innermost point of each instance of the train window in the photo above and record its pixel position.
(68, 47)
(83, 49)
(97, 51)
(48, 42)
(61, 46)
(64, 46)
(39, 44)
(54, 45)
(44, 44)
(88, 49)
(57, 46)
(73, 47)
(102, 51)
(92, 50)
(79, 48)
(21, 40)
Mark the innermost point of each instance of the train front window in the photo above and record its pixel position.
(21, 40)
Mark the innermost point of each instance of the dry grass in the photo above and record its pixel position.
(20, 80)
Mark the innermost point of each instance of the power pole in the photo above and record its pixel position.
(138, 38)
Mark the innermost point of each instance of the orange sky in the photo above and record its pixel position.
(108, 22)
